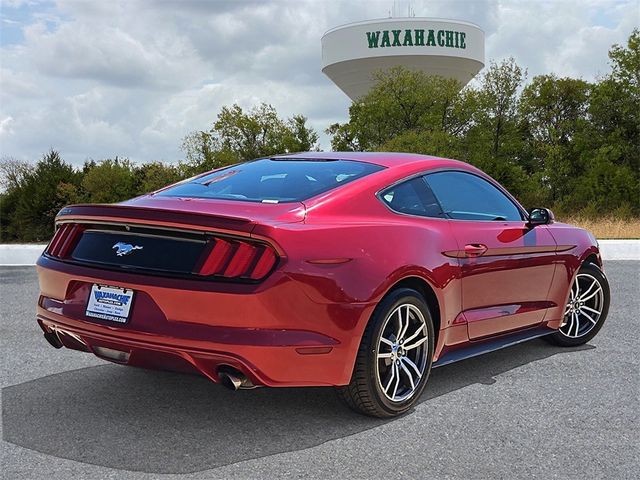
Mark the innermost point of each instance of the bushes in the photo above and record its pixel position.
(33, 195)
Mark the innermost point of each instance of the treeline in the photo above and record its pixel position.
(562, 143)
(34, 193)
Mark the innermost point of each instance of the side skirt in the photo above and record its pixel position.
(480, 347)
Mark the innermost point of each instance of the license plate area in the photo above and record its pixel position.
(110, 303)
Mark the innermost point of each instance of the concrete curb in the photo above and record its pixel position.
(25, 255)
(14, 255)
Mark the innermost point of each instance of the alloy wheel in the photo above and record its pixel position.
(401, 355)
(584, 308)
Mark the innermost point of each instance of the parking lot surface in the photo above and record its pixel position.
(529, 411)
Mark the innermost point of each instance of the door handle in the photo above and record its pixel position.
(474, 249)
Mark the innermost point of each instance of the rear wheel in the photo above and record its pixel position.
(586, 309)
(394, 358)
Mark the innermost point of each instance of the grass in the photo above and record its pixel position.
(607, 227)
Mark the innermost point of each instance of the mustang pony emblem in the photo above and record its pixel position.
(123, 249)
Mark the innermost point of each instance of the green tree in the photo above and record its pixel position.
(238, 136)
(109, 181)
(498, 106)
(155, 175)
(553, 116)
(51, 185)
(611, 140)
(400, 102)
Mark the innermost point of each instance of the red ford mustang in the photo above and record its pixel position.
(356, 270)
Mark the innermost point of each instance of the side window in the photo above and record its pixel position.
(464, 196)
(414, 198)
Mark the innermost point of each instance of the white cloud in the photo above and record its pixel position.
(132, 77)
(5, 126)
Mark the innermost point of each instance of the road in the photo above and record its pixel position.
(530, 411)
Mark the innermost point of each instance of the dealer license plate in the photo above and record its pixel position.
(110, 303)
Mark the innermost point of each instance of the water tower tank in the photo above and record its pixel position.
(352, 53)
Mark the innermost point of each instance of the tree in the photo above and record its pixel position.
(553, 116)
(238, 136)
(299, 137)
(155, 175)
(400, 102)
(109, 181)
(615, 105)
(495, 132)
(13, 172)
(51, 185)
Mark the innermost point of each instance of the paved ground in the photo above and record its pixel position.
(531, 411)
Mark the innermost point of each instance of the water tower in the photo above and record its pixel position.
(352, 53)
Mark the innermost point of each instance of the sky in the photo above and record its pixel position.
(94, 79)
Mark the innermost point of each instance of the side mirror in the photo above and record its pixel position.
(540, 216)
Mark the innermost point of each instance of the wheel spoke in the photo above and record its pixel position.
(584, 299)
(582, 312)
(384, 355)
(400, 324)
(391, 377)
(573, 322)
(404, 325)
(409, 376)
(416, 344)
(570, 324)
(577, 322)
(586, 292)
(395, 390)
(388, 342)
(589, 309)
(420, 328)
(409, 362)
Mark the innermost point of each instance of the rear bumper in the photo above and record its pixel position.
(273, 333)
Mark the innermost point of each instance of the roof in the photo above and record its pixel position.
(385, 159)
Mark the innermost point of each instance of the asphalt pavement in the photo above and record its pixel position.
(529, 411)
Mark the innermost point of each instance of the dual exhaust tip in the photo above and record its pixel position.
(233, 379)
(230, 377)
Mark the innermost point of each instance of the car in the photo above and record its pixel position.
(359, 271)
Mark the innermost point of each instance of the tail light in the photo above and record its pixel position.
(64, 240)
(237, 259)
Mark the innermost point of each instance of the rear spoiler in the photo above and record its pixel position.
(144, 215)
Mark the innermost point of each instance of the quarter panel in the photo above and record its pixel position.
(371, 256)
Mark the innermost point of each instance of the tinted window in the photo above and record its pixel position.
(413, 197)
(464, 196)
(273, 181)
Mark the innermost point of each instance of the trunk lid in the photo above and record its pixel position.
(172, 236)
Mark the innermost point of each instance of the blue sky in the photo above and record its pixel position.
(95, 79)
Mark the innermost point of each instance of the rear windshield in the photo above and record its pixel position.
(273, 181)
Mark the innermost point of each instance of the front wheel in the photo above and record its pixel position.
(586, 309)
(394, 358)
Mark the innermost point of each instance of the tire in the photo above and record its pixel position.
(366, 392)
(582, 322)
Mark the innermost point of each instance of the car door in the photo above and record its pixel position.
(506, 267)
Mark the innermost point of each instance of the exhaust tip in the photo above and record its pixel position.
(233, 379)
(53, 339)
(230, 381)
